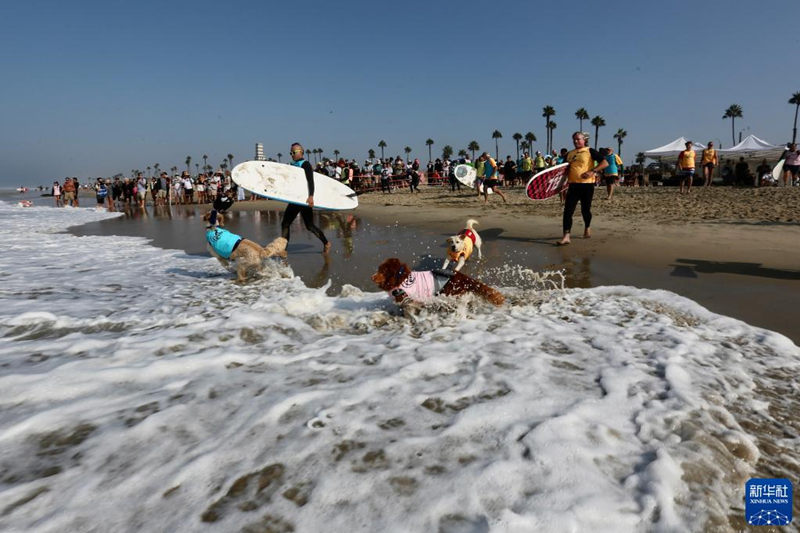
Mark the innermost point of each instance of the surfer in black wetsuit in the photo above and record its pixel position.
(292, 210)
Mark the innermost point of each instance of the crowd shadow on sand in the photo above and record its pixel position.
(689, 268)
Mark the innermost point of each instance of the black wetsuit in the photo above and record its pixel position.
(292, 210)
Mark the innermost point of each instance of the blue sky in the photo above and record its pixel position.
(95, 88)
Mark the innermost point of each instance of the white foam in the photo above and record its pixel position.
(139, 384)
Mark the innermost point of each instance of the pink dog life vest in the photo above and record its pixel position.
(422, 286)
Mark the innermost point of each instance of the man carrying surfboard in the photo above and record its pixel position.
(581, 176)
(306, 211)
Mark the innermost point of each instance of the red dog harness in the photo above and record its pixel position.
(468, 233)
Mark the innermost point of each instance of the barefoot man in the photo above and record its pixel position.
(581, 176)
(292, 210)
(490, 180)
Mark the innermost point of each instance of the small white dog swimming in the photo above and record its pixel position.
(460, 247)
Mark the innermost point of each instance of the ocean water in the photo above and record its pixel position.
(142, 390)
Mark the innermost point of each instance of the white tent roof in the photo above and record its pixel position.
(752, 147)
(672, 149)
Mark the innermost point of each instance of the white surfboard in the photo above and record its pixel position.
(287, 183)
(777, 172)
(466, 174)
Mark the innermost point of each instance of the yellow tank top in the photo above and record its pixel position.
(709, 155)
(527, 164)
(687, 159)
(580, 161)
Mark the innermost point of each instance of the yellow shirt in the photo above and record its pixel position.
(709, 156)
(580, 161)
(686, 159)
(527, 164)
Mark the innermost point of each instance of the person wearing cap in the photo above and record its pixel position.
(539, 163)
(686, 167)
(581, 177)
(305, 211)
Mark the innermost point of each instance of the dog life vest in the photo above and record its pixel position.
(222, 241)
(421, 286)
(468, 244)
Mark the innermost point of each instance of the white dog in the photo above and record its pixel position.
(459, 247)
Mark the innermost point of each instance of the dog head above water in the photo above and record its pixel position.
(456, 243)
(391, 273)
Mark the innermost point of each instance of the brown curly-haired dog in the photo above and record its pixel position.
(396, 278)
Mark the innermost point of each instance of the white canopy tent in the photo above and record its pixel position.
(673, 149)
(752, 148)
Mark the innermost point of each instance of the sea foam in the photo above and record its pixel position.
(142, 390)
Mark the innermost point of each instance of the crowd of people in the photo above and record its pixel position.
(119, 192)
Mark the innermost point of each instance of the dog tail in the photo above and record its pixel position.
(471, 222)
(276, 247)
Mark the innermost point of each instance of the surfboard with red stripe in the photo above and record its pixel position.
(547, 183)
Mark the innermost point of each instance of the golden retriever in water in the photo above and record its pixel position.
(228, 247)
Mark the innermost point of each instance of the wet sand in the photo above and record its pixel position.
(732, 250)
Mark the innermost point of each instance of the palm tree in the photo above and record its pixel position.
(473, 147)
(598, 122)
(205, 161)
(531, 138)
(621, 134)
(381, 145)
(197, 169)
(279, 157)
(547, 112)
(462, 153)
(795, 99)
(230, 160)
(148, 171)
(429, 143)
(640, 161)
(733, 112)
(552, 127)
(188, 163)
(517, 137)
(336, 154)
(496, 135)
(525, 145)
(320, 153)
(174, 170)
(447, 151)
(407, 150)
(581, 114)
(371, 153)
(156, 166)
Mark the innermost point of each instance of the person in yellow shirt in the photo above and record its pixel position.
(581, 176)
(708, 163)
(686, 167)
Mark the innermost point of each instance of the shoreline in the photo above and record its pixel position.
(733, 250)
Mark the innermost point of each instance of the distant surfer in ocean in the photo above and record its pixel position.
(306, 211)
